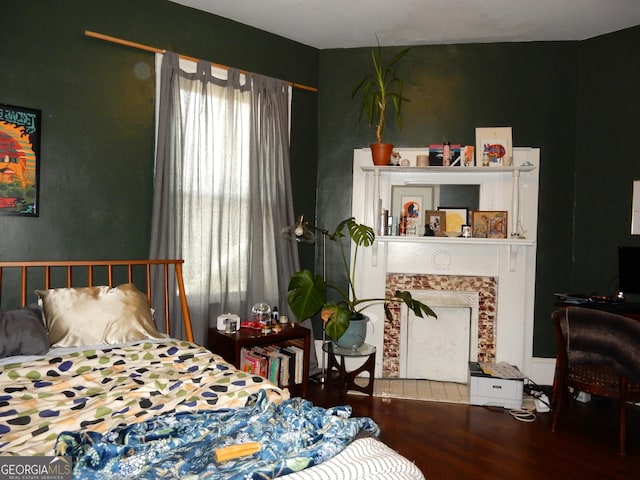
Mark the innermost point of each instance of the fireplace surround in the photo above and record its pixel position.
(499, 272)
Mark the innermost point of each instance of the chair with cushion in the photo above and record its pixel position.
(597, 354)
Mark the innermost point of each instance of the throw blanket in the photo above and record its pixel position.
(293, 435)
(100, 389)
(596, 336)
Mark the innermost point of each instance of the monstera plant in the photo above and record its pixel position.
(307, 294)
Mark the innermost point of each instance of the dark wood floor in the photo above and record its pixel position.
(451, 441)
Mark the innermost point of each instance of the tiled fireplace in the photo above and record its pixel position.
(475, 294)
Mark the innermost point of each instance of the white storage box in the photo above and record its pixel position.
(490, 391)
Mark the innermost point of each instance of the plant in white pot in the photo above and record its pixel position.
(381, 91)
(307, 295)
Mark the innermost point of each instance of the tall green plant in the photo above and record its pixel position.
(380, 87)
(307, 295)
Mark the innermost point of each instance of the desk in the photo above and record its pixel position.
(338, 374)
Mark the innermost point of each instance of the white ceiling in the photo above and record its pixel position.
(356, 23)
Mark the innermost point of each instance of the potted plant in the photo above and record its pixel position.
(379, 91)
(307, 294)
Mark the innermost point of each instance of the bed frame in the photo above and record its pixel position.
(154, 277)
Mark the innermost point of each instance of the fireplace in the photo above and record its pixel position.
(428, 347)
(488, 283)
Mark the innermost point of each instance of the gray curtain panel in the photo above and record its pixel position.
(222, 190)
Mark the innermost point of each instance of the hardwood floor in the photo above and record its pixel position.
(452, 441)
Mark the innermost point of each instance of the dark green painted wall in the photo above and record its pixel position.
(606, 159)
(97, 102)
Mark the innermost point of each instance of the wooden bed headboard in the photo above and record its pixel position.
(19, 280)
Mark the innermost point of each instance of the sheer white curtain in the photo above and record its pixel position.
(222, 189)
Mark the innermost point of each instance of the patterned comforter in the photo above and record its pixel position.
(292, 435)
(100, 389)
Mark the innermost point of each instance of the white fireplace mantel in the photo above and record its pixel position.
(511, 261)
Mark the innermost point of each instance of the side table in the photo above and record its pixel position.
(229, 346)
(346, 379)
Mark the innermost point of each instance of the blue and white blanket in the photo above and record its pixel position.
(294, 435)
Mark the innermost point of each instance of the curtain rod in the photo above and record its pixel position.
(146, 48)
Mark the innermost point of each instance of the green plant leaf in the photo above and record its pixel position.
(362, 235)
(306, 294)
(419, 308)
(338, 323)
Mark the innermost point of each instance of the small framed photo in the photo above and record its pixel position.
(436, 220)
(489, 224)
(466, 231)
(456, 218)
(494, 146)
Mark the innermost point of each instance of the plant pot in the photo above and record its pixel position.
(381, 153)
(355, 334)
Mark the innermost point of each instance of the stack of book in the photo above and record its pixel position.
(283, 365)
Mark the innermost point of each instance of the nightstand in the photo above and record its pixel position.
(229, 346)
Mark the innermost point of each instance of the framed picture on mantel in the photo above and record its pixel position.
(489, 224)
(494, 146)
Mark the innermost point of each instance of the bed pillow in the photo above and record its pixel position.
(77, 317)
(22, 332)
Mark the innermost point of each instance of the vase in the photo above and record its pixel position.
(381, 153)
(354, 336)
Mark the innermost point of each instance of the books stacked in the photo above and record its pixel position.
(283, 365)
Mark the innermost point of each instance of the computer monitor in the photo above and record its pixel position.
(629, 271)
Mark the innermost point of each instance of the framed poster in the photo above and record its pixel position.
(412, 215)
(19, 160)
(494, 146)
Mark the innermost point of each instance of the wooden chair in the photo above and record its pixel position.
(597, 354)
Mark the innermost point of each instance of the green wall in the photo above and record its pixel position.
(97, 102)
(606, 160)
(577, 101)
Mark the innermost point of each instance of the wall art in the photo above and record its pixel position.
(494, 146)
(456, 218)
(489, 224)
(19, 160)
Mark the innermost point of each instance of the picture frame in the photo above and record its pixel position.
(436, 220)
(20, 135)
(399, 191)
(456, 217)
(412, 215)
(494, 147)
(489, 223)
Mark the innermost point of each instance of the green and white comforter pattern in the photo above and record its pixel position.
(99, 389)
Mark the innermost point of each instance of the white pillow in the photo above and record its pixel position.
(97, 315)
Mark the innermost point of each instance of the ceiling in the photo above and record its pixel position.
(356, 23)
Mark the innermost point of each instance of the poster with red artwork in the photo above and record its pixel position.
(19, 160)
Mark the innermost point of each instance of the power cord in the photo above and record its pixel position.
(523, 415)
(540, 395)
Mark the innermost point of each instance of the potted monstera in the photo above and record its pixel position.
(380, 92)
(307, 294)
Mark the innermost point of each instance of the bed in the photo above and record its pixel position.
(98, 365)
